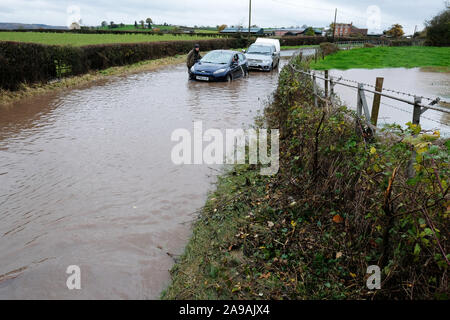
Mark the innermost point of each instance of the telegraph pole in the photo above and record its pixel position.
(334, 26)
(249, 18)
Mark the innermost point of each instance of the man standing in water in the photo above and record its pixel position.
(193, 57)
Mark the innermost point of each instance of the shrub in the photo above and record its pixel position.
(20, 62)
(438, 30)
(401, 43)
(328, 48)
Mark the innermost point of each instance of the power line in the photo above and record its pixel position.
(352, 15)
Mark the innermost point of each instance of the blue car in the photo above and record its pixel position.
(220, 65)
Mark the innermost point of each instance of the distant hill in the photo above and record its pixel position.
(15, 26)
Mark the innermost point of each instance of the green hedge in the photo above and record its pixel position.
(32, 63)
(303, 41)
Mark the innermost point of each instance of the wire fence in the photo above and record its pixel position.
(366, 120)
(362, 89)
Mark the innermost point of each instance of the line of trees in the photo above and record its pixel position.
(438, 29)
(142, 24)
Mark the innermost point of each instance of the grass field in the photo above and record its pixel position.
(131, 27)
(89, 39)
(386, 57)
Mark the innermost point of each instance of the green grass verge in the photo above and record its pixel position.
(386, 57)
(75, 39)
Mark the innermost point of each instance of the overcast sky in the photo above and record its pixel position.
(277, 13)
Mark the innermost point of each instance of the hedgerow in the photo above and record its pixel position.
(31, 63)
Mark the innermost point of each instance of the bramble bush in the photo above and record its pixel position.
(357, 200)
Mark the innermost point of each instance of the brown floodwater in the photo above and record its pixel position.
(86, 179)
(415, 81)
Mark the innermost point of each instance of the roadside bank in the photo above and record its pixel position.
(341, 202)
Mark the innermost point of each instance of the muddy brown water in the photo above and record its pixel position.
(86, 179)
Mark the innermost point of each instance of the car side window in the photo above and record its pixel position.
(241, 57)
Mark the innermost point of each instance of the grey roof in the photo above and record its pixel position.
(234, 30)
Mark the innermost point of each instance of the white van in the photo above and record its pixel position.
(274, 42)
(264, 54)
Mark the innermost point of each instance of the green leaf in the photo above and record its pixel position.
(447, 144)
(417, 249)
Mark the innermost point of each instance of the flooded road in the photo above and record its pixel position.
(86, 179)
(414, 81)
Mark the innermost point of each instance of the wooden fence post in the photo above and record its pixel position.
(358, 102)
(376, 101)
(417, 110)
(362, 103)
(326, 83)
(416, 120)
(331, 88)
(316, 104)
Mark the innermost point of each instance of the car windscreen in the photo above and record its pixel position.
(218, 57)
(260, 49)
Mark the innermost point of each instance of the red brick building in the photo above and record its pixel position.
(348, 30)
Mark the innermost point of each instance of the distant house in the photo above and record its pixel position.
(256, 31)
(289, 32)
(348, 30)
